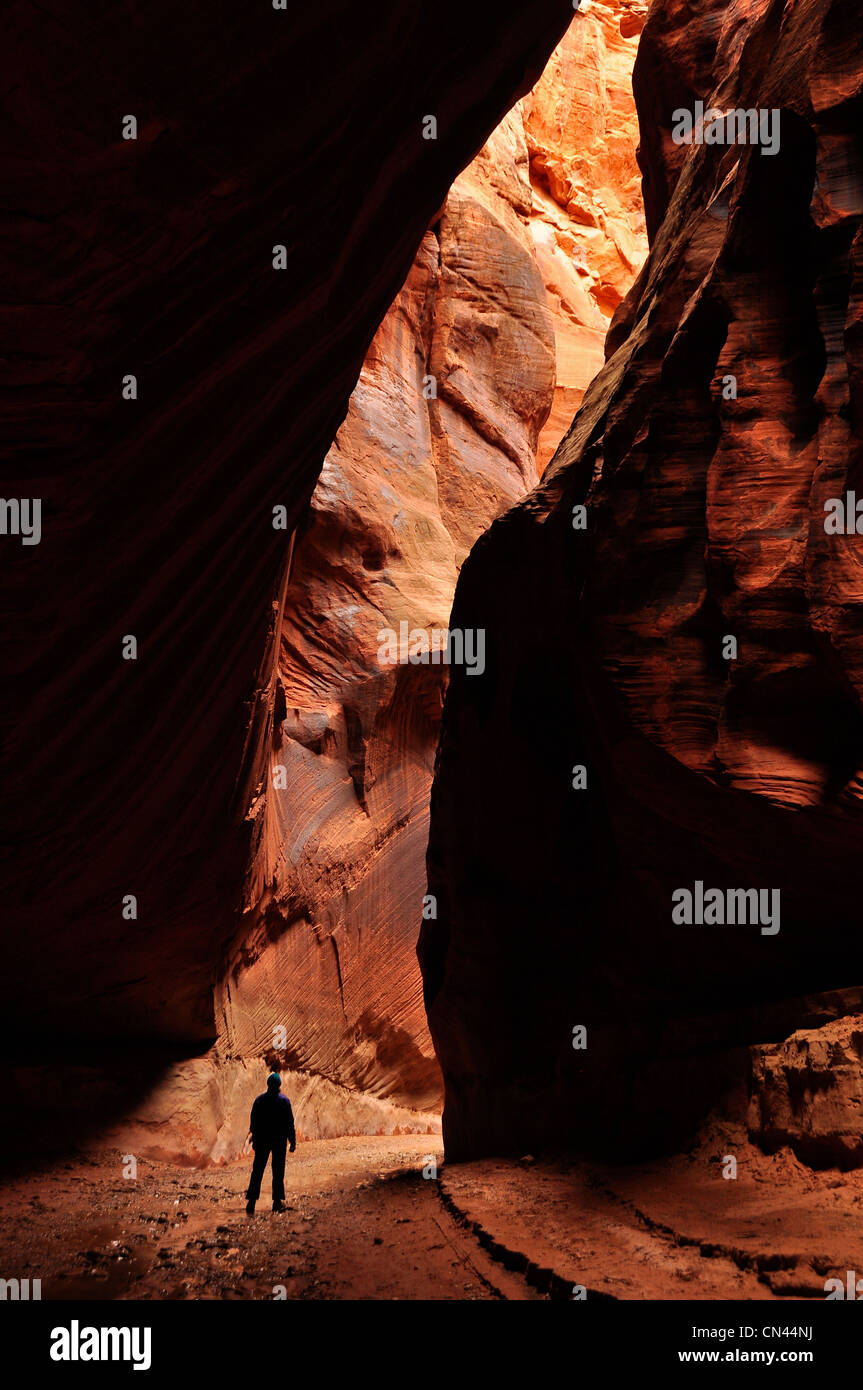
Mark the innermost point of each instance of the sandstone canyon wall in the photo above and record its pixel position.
(607, 649)
(440, 437)
(154, 257)
(504, 310)
(587, 217)
(508, 301)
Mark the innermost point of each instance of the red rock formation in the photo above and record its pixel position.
(705, 519)
(807, 1093)
(440, 437)
(325, 948)
(588, 222)
(153, 257)
(413, 479)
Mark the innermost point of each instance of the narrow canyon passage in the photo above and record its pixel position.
(615, 382)
(466, 389)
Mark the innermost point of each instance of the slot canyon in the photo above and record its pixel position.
(540, 372)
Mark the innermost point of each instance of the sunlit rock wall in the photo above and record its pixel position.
(440, 437)
(587, 217)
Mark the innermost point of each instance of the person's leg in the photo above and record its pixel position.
(262, 1153)
(279, 1170)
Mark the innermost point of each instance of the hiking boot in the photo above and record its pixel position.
(279, 1206)
(250, 1208)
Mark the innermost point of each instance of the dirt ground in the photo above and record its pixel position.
(671, 1229)
(364, 1223)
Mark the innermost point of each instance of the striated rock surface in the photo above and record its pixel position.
(324, 958)
(587, 217)
(440, 437)
(154, 257)
(704, 522)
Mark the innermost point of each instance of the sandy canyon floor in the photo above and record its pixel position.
(363, 1222)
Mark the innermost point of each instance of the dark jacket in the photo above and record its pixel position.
(272, 1120)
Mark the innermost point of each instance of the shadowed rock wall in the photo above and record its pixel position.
(608, 646)
(154, 257)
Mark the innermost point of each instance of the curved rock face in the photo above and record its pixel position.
(588, 222)
(696, 649)
(440, 437)
(154, 257)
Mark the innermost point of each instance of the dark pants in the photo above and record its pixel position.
(263, 1149)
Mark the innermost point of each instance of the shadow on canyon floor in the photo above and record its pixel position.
(364, 1222)
(66, 1098)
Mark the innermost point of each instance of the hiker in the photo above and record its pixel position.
(271, 1127)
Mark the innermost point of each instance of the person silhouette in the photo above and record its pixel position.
(271, 1128)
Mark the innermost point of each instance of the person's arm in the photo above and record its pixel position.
(292, 1134)
(252, 1123)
